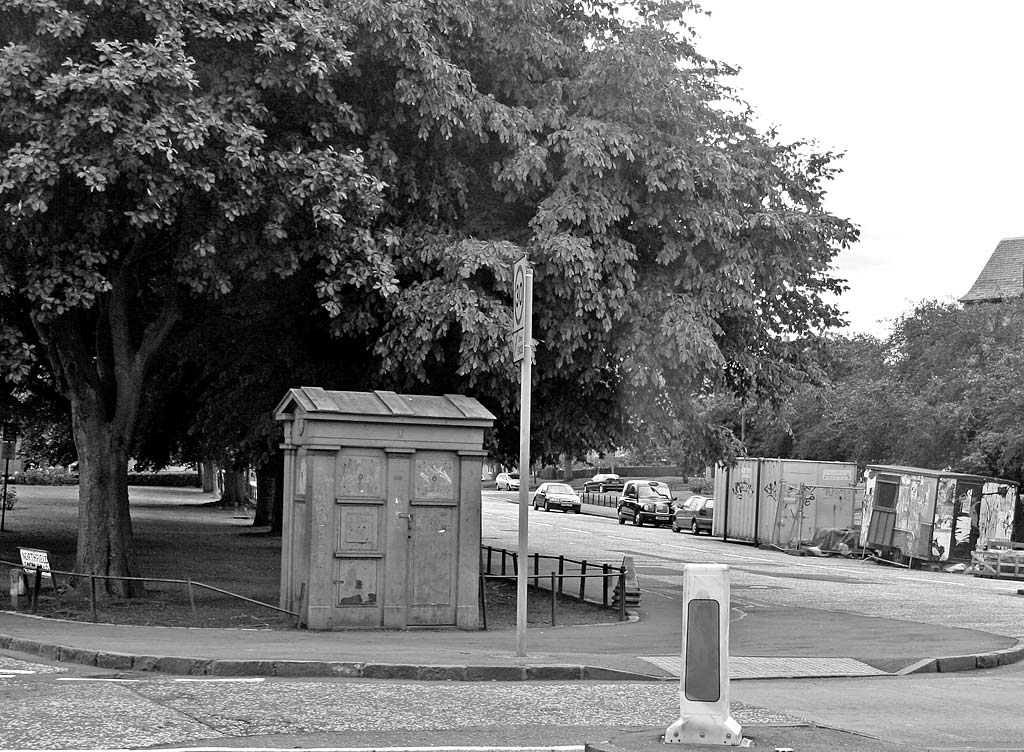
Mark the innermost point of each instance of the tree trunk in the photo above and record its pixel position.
(208, 472)
(236, 489)
(99, 358)
(270, 494)
(106, 542)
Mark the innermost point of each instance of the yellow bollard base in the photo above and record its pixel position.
(705, 729)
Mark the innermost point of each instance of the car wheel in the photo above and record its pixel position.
(637, 520)
(694, 529)
(576, 510)
(547, 507)
(622, 520)
(676, 528)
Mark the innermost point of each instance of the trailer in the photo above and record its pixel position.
(915, 514)
(786, 503)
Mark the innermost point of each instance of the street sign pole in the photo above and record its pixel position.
(523, 314)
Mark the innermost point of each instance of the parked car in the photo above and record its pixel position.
(604, 482)
(696, 514)
(556, 496)
(507, 481)
(645, 501)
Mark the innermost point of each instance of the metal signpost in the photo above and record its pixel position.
(8, 451)
(522, 352)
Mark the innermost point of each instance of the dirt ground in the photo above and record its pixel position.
(182, 536)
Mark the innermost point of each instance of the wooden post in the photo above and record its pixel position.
(554, 598)
(483, 601)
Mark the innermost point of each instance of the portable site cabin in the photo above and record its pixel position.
(381, 508)
(786, 503)
(931, 515)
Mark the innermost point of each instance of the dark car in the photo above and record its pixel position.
(645, 501)
(696, 514)
(604, 482)
(550, 496)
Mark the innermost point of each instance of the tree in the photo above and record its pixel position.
(400, 157)
(152, 153)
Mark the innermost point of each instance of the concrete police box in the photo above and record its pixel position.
(381, 508)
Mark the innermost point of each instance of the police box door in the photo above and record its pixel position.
(433, 540)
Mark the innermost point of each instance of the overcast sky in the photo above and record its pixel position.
(927, 101)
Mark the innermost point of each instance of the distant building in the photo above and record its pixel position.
(1003, 275)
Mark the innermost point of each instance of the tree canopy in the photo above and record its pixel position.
(158, 159)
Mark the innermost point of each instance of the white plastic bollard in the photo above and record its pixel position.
(704, 716)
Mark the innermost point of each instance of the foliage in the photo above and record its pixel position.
(941, 391)
(46, 476)
(166, 166)
(676, 250)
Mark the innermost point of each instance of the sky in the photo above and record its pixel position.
(926, 100)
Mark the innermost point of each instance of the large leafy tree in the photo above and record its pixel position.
(400, 156)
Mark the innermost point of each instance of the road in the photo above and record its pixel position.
(44, 706)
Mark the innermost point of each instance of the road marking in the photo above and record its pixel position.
(114, 679)
(780, 667)
(249, 748)
(242, 679)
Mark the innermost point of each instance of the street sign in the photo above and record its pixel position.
(519, 293)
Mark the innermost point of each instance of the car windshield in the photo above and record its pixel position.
(560, 488)
(514, 476)
(650, 492)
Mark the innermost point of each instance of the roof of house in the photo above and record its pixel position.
(1003, 275)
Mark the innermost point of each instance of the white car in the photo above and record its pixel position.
(507, 481)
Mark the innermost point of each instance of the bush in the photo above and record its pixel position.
(45, 476)
(174, 480)
(702, 486)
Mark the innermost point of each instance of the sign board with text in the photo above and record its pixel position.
(33, 559)
(518, 333)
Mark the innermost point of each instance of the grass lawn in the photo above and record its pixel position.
(182, 534)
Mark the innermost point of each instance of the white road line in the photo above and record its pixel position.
(485, 748)
(112, 680)
(243, 679)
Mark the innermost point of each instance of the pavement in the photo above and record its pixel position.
(765, 642)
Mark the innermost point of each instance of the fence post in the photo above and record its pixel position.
(604, 585)
(561, 570)
(483, 601)
(515, 563)
(536, 569)
(622, 593)
(583, 579)
(489, 552)
(554, 597)
(35, 588)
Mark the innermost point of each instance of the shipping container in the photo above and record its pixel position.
(786, 503)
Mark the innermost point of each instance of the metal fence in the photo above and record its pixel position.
(560, 575)
(35, 576)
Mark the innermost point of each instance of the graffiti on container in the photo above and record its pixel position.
(771, 490)
(742, 488)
